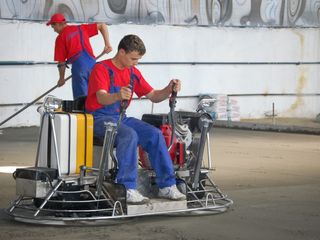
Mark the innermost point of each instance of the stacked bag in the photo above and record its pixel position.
(220, 107)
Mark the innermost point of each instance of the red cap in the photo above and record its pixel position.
(56, 18)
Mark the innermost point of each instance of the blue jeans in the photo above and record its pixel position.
(131, 133)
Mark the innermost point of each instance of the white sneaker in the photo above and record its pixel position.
(134, 197)
(171, 193)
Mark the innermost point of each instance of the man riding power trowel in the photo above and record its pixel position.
(114, 81)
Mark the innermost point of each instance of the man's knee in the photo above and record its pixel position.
(127, 136)
(155, 136)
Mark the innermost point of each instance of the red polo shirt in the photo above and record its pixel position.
(68, 41)
(99, 80)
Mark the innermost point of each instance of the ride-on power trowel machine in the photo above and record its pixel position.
(69, 186)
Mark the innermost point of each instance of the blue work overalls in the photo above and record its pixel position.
(82, 64)
(131, 133)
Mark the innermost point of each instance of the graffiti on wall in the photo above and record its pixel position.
(250, 13)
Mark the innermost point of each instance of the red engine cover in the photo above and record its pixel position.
(166, 131)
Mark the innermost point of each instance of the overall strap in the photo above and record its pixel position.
(111, 74)
(74, 57)
(133, 77)
(81, 38)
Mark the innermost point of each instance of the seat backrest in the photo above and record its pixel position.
(77, 105)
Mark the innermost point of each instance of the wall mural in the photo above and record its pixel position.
(251, 13)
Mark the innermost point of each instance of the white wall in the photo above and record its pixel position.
(35, 42)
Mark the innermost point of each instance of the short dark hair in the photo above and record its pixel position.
(130, 43)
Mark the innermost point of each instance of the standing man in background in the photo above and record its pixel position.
(73, 46)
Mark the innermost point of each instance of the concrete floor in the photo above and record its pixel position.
(273, 179)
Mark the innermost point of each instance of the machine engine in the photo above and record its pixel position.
(184, 147)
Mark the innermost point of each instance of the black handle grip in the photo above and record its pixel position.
(123, 105)
(172, 99)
